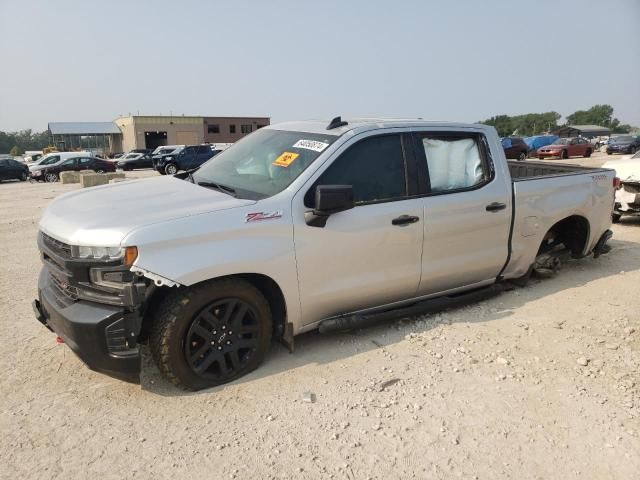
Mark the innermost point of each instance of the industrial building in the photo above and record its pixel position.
(153, 131)
(142, 131)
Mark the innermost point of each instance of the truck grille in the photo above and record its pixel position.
(64, 290)
(56, 246)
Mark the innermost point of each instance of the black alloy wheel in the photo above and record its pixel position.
(222, 339)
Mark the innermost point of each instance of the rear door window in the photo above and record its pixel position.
(454, 162)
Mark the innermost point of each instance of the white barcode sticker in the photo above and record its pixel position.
(311, 145)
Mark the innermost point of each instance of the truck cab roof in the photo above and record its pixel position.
(359, 125)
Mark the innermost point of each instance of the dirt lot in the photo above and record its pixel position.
(541, 382)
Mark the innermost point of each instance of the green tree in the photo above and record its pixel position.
(601, 115)
(526, 125)
(15, 151)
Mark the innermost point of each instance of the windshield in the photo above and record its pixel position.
(623, 139)
(132, 155)
(562, 141)
(264, 163)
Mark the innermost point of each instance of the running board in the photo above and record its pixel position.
(361, 320)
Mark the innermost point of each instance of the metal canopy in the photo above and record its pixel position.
(83, 128)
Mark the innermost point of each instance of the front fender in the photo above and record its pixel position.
(194, 249)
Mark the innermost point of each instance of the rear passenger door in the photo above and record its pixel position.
(467, 210)
(85, 163)
(188, 159)
(204, 154)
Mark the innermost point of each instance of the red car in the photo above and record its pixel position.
(565, 148)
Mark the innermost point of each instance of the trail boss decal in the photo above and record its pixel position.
(311, 145)
(258, 216)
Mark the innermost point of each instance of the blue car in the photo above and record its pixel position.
(191, 156)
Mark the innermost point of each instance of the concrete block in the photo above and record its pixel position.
(69, 177)
(112, 175)
(92, 180)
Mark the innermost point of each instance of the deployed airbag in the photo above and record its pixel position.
(453, 164)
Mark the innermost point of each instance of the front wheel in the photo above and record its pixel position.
(24, 177)
(564, 155)
(210, 334)
(51, 177)
(171, 169)
(587, 154)
(100, 171)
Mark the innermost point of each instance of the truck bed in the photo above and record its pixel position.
(528, 170)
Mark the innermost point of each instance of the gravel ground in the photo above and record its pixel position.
(540, 382)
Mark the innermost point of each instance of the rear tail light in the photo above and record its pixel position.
(617, 183)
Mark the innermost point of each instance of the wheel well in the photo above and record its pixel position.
(573, 232)
(267, 286)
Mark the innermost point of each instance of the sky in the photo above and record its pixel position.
(457, 60)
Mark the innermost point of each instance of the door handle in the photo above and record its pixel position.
(404, 220)
(495, 207)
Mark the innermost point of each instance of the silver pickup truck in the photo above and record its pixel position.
(301, 226)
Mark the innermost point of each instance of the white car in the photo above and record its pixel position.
(628, 194)
(52, 158)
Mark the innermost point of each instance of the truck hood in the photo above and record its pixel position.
(102, 216)
(626, 169)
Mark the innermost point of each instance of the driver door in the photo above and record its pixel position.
(369, 255)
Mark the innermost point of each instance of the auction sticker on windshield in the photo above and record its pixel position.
(311, 145)
(285, 159)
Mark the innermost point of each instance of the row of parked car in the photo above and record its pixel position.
(546, 146)
(168, 159)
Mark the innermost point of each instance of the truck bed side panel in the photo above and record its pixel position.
(542, 202)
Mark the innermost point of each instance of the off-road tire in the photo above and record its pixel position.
(180, 309)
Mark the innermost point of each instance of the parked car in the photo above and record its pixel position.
(539, 141)
(515, 148)
(51, 173)
(166, 149)
(628, 194)
(11, 169)
(52, 158)
(131, 161)
(566, 147)
(141, 150)
(301, 226)
(623, 144)
(32, 155)
(115, 156)
(187, 158)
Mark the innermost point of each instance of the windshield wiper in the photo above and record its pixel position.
(219, 187)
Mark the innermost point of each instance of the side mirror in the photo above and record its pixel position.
(329, 199)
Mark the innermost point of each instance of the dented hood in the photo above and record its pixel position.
(627, 169)
(102, 216)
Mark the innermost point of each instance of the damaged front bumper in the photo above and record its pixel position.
(103, 336)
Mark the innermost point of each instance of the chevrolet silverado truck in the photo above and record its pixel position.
(303, 226)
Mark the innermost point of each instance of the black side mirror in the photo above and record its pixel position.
(329, 199)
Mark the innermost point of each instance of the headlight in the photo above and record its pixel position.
(128, 254)
(37, 173)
